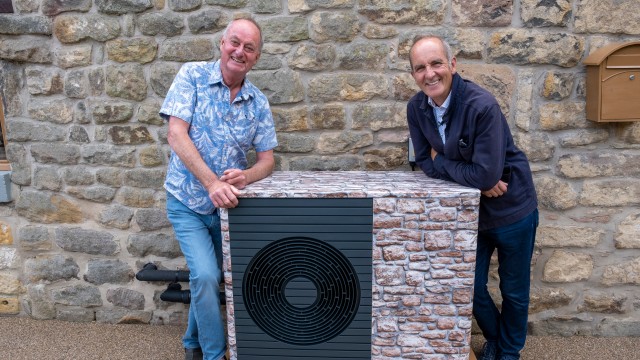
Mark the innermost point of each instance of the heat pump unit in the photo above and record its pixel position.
(302, 278)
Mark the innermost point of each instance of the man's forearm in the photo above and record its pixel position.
(182, 145)
(262, 168)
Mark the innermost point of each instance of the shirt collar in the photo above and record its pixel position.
(445, 104)
(246, 91)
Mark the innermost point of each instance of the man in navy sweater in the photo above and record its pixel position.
(460, 134)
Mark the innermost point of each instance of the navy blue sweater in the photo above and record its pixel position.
(479, 151)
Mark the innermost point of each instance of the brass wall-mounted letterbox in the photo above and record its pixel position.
(613, 83)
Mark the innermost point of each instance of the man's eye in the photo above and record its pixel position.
(235, 42)
(249, 49)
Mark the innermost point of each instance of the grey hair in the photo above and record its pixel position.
(249, 19)
(445, 44)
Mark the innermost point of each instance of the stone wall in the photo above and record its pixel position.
(82, 82)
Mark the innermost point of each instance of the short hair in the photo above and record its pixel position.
(445, 45)
(249, 19)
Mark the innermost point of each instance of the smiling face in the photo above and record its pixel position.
(239, 50)
(431, 69)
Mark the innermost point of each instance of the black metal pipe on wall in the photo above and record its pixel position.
(174, 292)
(150, 272)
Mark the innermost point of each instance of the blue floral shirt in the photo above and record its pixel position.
(221, 130)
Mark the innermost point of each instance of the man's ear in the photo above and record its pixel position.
(453, 65)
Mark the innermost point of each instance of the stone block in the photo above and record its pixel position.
(9, 305)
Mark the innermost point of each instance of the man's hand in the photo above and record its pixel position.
(235, 177)
(223, 195)
(433, 154)
(498, 190)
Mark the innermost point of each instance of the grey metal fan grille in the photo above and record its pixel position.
(267, 290)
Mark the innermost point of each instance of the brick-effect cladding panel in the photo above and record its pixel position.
(423, 258)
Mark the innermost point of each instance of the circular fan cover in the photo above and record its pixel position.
(266, 291)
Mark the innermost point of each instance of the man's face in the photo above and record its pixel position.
(240, 49)
(431, 69)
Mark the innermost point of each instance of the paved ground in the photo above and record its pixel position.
(25, 338)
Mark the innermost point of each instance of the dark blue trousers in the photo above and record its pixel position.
(514, 242)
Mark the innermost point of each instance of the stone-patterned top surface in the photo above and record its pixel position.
(355, 184)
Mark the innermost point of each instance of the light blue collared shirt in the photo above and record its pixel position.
(438, 112)
(221, 130)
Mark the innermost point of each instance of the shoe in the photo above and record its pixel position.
(193, 354)
(508, 357)
(489, 351)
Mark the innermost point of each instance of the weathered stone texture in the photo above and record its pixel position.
(77, 295)
(603, 303)
(330, 26)
(546, 299)
(565, 267)
(126, 298)
(9, 305)
(282, 29)
(55, 7)
(610, 193)
(482, 13)
(525, 47)
(295, 143)
(157, 244)
(73, 56)
(584, 137)
(348, 87)
(126, 81)
(123, 7)
(599, 165)
(29, 24)
(359, 55)
(6, 237)
(627, 273)
(537, 146)
(627, 235)
(499, 80)
(75, 28)
(44, 208)
(335, 143)
(608, 16)
(58, 111)
(557, 86)
(562, 116)
(32, 49)
(44, 81)
(540, 13)
(142, 50)
(630, 133)
(10, 285)
(34, 237)
(554, 193)
(9, 258)
(568, 236)
(420, 12)
(50, 268)
(102, 271)
(92, 242)
(280, 87)
(207, 21)
(330, 116)
(187, 49)
(169, 24)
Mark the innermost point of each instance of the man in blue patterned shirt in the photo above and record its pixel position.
(215, 116)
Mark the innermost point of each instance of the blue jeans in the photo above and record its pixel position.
(201, 243)
(514, 242)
